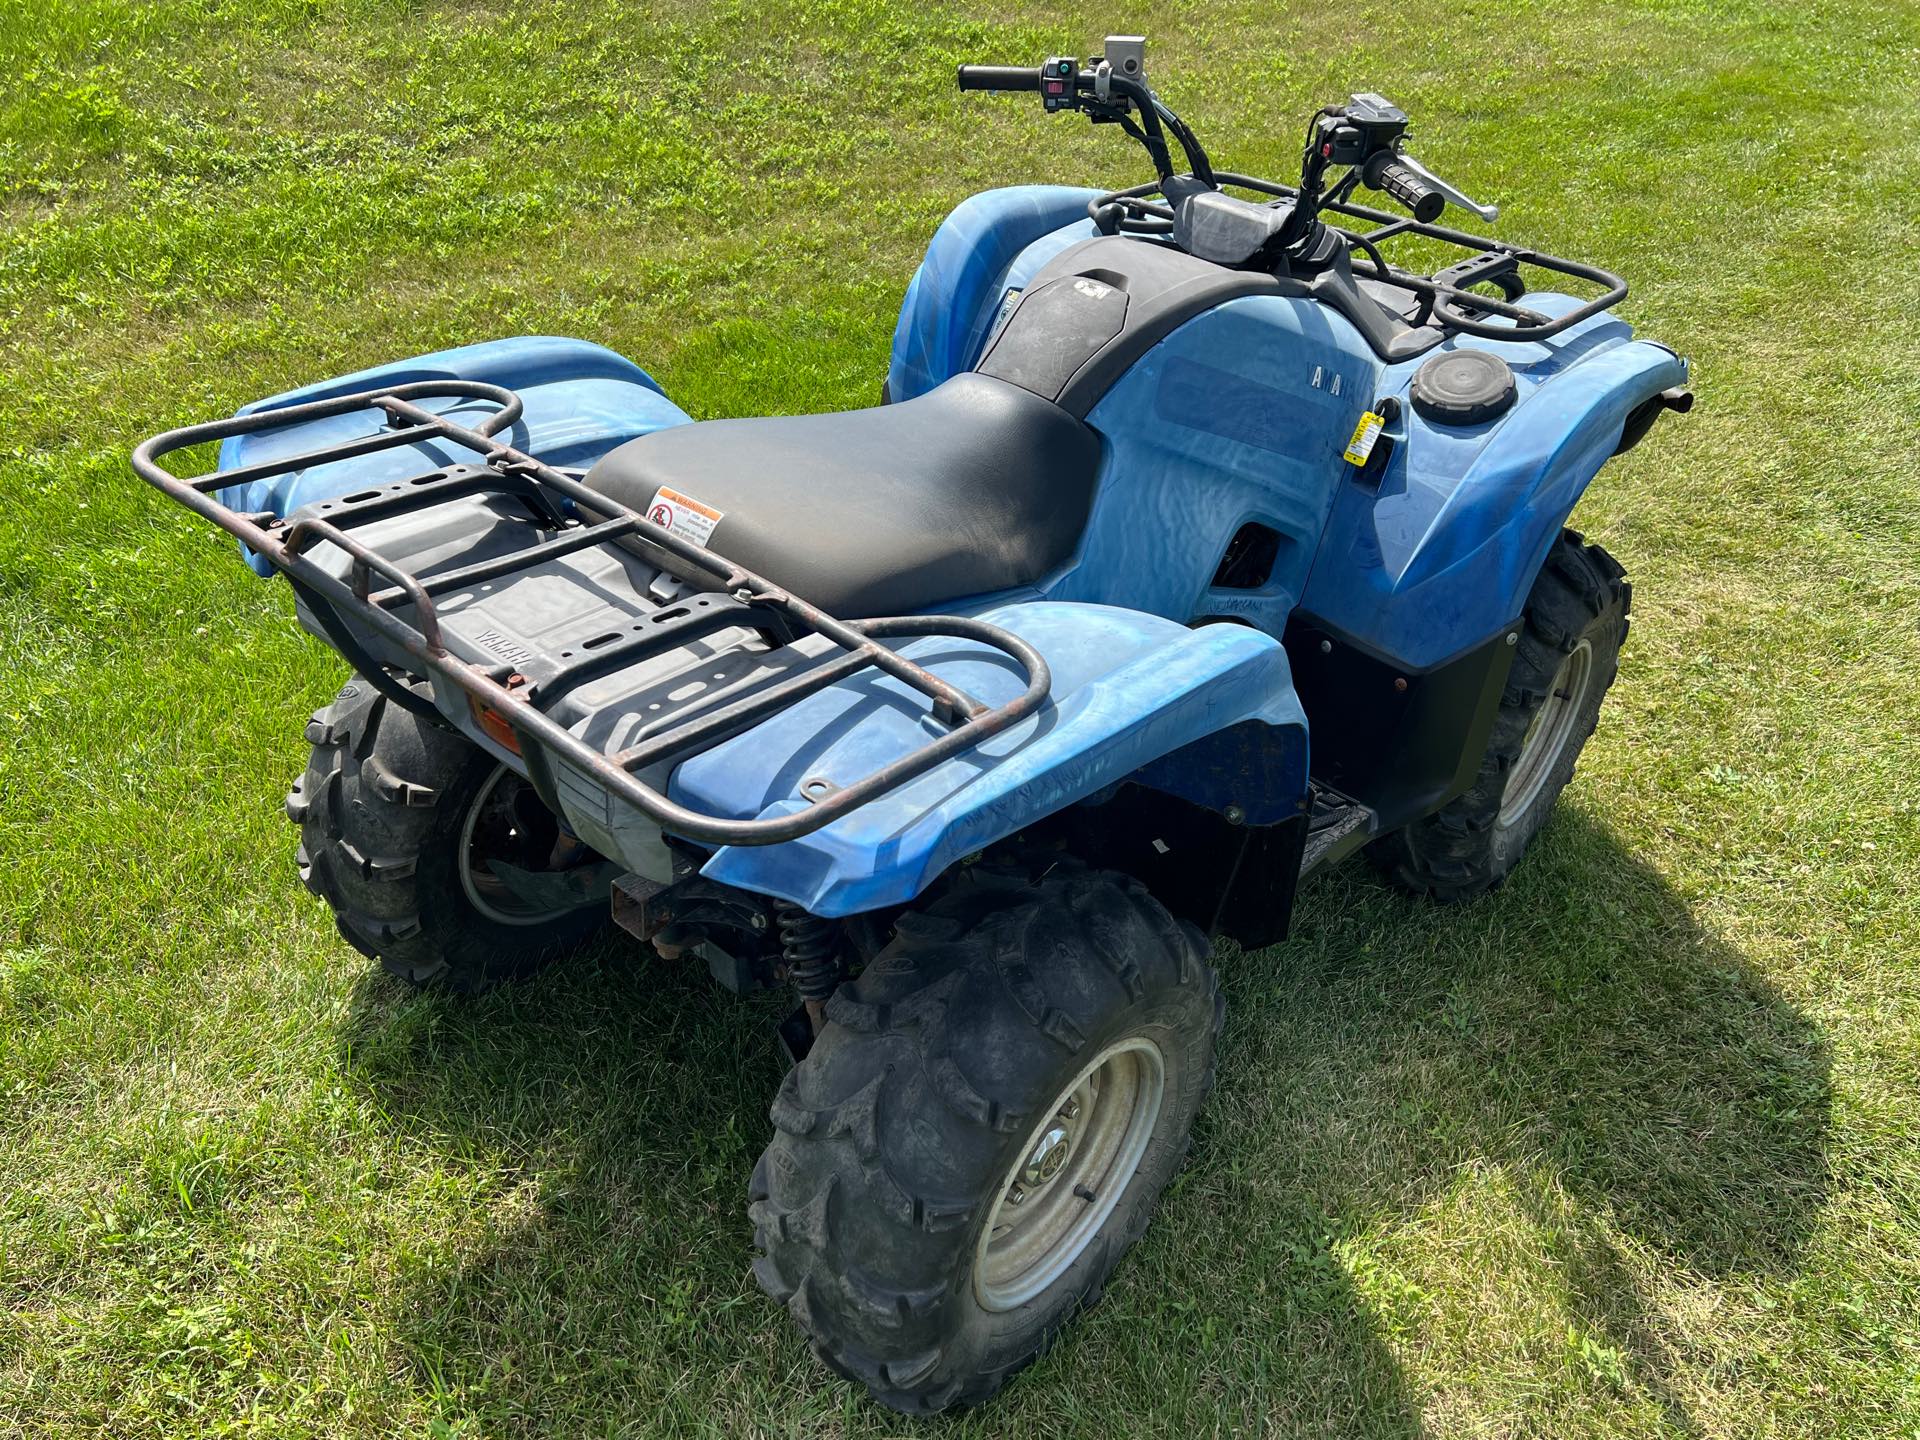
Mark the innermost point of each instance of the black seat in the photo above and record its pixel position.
(974, 487)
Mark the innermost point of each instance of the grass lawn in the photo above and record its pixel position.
(1630, 1148)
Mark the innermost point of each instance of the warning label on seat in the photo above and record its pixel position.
(683, 515)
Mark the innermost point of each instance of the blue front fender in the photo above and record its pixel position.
(1128, 689)
(1442, 555)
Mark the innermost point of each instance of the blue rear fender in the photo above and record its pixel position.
(580, 401)
(1129, 690)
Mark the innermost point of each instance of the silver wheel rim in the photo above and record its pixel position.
(1547, 736)
(1069, 1173)
(486, 891)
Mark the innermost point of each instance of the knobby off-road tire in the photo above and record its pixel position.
(383, 810)
(939, 1075)
(1568, 654)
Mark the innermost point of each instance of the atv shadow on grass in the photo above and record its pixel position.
(1470, 1129)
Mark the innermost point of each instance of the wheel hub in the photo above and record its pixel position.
(1049, 1157)
(1070, 1173)
(506, 824)
(1552, 728)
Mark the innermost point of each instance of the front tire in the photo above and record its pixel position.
(1568, 655)
(982, 1129)
(401, 826)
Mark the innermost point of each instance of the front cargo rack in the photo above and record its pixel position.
(1446, 296)
(754, 602)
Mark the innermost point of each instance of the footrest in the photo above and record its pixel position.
(1336, 828)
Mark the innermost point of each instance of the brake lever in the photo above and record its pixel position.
(1448, 192)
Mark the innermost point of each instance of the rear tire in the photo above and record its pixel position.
(388, 810)
(1568, 655)
(1054, 1036)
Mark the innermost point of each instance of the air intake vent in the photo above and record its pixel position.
(1248, 563)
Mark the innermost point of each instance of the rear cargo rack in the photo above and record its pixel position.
(506, 696)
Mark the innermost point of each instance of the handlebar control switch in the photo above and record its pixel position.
(1366, 126)
(1342, 144)
(1059, 89)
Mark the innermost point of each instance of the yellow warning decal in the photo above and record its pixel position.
(1364, 436)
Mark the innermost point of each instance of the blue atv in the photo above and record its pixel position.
(1193, 547)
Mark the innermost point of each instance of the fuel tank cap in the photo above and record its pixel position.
(1463, 387)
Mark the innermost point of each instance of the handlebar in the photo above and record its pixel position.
(1359, 143)
(999, 77)
(1365, 135)
(1386, 174)
(1116, 93)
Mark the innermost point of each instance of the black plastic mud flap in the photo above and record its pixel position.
(1228, 878)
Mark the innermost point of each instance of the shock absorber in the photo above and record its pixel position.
(810, 948)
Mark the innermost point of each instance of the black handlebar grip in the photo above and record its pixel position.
(1408, 188)
(999, 77)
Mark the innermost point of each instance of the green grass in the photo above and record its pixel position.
(1628, 1149)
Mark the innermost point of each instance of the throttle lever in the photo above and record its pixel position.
(1451, 195)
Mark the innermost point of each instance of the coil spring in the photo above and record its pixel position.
(807, 944)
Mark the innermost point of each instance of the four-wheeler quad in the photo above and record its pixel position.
(1193, 547)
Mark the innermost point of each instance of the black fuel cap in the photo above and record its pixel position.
(1463, 387)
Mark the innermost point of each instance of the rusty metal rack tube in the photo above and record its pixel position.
(286, 547)
(1146, 215)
